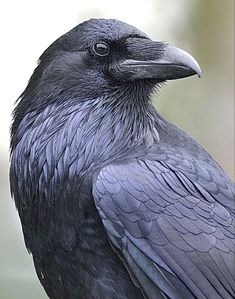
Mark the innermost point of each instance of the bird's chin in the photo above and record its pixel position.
(143, 88)
(154, 81)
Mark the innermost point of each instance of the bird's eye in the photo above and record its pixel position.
(101, 49)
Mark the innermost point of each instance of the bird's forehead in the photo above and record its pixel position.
(106, 29)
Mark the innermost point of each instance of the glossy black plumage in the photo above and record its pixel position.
(114, 201)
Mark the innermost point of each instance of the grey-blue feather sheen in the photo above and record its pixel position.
(64, 141)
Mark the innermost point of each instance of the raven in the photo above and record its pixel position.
(114, 201)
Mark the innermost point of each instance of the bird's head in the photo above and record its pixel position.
(100, 54)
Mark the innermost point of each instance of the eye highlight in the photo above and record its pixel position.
(101, 49)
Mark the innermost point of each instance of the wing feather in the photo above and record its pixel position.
(173, 233)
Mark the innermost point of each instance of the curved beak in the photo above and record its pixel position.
(158, 61)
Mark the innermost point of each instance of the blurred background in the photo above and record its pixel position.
(204, 108)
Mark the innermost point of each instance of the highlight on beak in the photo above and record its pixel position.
(172, 63)
(180, 60)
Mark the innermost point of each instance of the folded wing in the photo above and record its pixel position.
(174, 235)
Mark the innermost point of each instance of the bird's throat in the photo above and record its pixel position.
(65, 141)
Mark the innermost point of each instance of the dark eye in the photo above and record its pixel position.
(101, 49)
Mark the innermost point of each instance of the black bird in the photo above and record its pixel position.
(114, 201)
